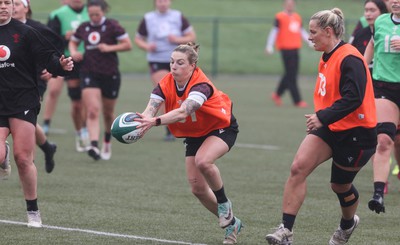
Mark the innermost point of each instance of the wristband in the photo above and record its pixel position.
(158, 121)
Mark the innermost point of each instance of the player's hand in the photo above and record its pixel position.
(312, 122)
(45, 75)
(269, 50)
(104, 48)
(173, 39)
(151, 47)
(66, 63)
(146, 123)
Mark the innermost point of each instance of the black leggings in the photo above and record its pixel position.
(289, 80)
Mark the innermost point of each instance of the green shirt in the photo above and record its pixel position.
(70, 20)
(363, 21)
(386, 60)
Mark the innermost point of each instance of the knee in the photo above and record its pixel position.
(203, 164)
(347, 194)
(54, 94)
(296, 170)
(93, 112)
(74, 93)
(385, 143)
(22, 161)
(340, 188)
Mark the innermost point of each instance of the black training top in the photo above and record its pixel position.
(22, 49)
(54, 39)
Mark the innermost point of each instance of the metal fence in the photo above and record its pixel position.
(232, 45)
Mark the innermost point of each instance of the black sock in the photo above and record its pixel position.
(47, 122)
(346, 224)
(31, 205)
(45, 147)
(220, 195)
(94, 143)
(288, 221)
(107, 137)
(378, 188)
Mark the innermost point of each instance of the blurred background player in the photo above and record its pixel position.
(384, 49)
(363, 22)
(361, 38)
(23, 13)
(159, 32)
(102, 38)
(287, 35)
(64, 22)
(372, 9)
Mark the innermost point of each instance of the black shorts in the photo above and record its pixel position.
(350, 148)
(157, 66)
(228, 135)
(387, 90)
(29, 116)
(109, 85)
(74, 74)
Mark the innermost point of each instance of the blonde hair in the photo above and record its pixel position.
(333, 18)
(191, 49)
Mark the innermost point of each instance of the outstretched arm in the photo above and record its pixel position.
(148, 120)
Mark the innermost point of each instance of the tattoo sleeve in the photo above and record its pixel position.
(153, 107)
(190, 106)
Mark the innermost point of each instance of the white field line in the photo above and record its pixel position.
(257, 146)
(101, 233)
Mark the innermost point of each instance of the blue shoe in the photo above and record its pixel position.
(46, 129)
(232, 231)
(225, 214)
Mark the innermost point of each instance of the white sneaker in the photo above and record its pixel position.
(81, 144)
(342, 236)
(5, 167)
(85, 138)
(34, 219)
(282, 236)
(106, 151)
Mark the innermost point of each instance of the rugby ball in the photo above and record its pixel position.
(124, 128)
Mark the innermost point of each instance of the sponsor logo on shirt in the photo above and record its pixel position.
(93, 39)
(5, 54)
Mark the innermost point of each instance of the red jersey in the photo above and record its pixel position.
(215, 113)
(289, 34)
(327, 91)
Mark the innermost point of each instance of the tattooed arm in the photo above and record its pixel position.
(152, 107)
(148, 120)
(188, 107)
(194, 101)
